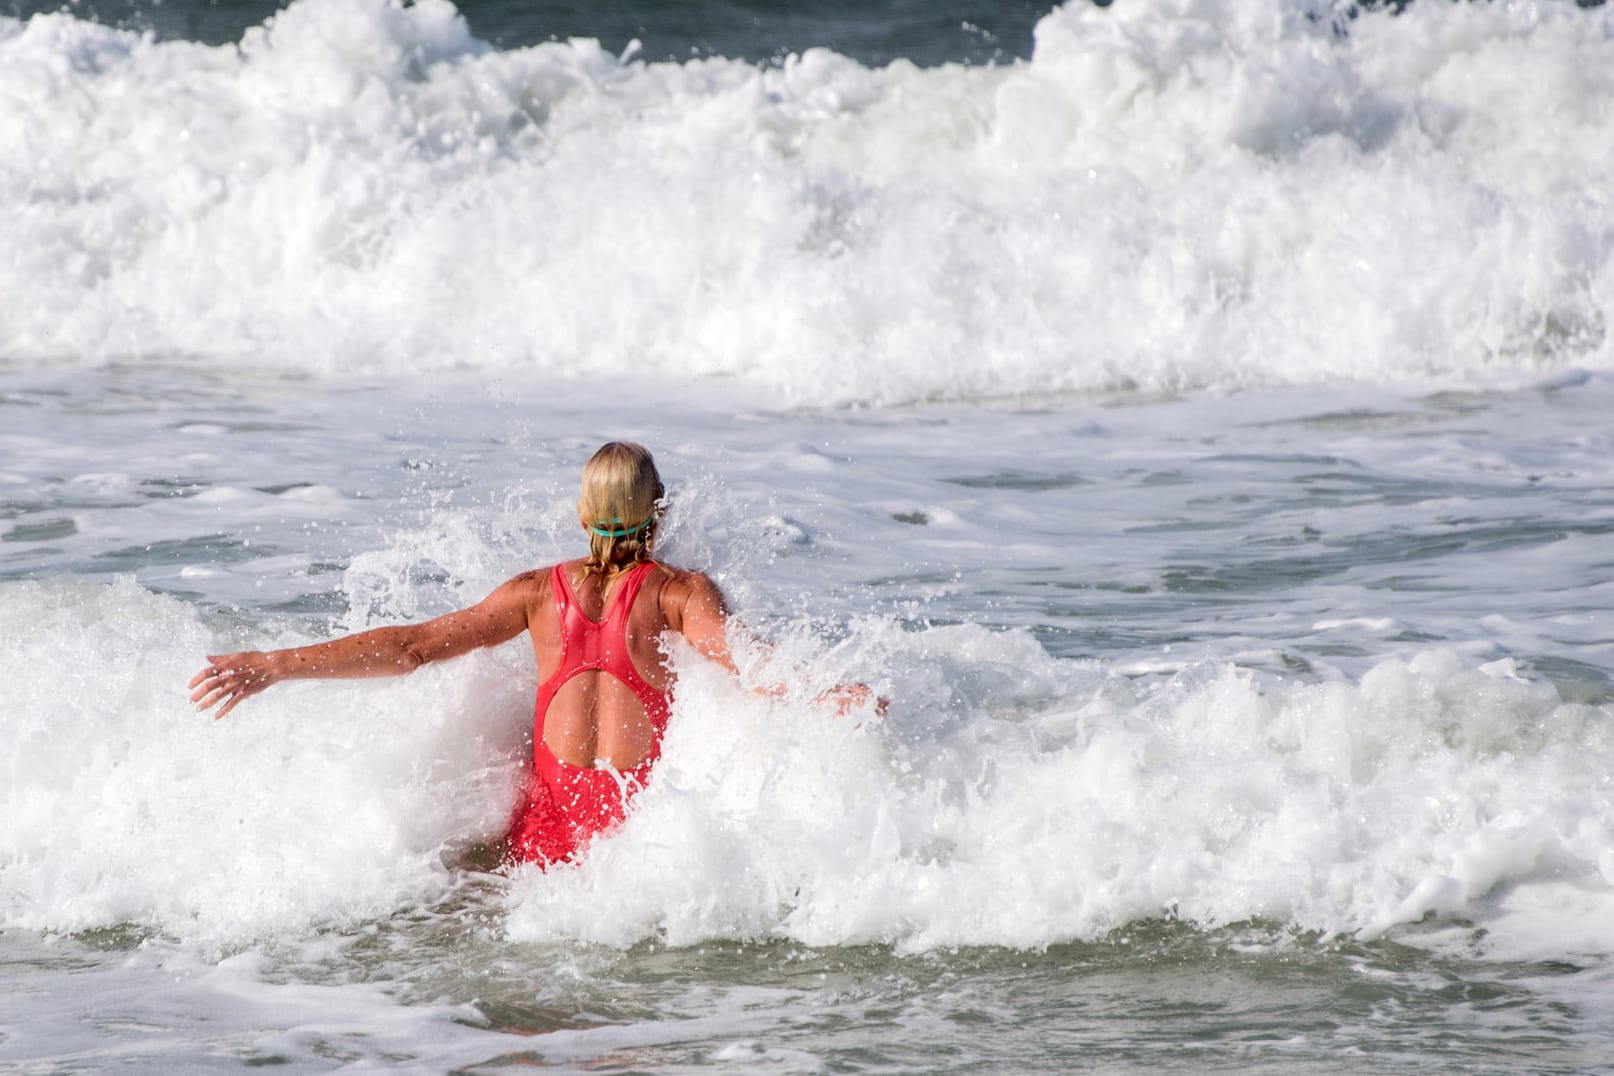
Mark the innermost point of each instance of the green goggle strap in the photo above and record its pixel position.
(604, 530)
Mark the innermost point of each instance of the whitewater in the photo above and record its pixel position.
(1165, 197)
(1199, 430)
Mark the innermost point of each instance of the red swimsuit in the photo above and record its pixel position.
(568, 805)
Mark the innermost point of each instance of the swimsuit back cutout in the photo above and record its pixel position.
(567, 806)
(589, 645)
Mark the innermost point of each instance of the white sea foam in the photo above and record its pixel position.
(1010, 798)
(1161, 659)
(118, 805)
(1084, 802)
(1169, 193)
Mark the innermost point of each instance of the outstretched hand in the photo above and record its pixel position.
(229, 678)
(848, 697)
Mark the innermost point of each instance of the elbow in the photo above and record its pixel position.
(412, 657)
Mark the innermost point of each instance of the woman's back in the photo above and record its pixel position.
(602, 663)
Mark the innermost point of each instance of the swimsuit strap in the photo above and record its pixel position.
(617, 606)
(620, 604)
(601, 644)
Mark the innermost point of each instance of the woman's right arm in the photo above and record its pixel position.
(703, 620)
(501, 616)
(698, 613)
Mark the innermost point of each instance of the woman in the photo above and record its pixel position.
(596, 625)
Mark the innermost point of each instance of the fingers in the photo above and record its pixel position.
(212, 687)
(849, 697)
(859, 695)
(216, 664)
(207, 685)
(206, 697)
(227, 679)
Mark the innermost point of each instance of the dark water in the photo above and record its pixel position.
(926, 32)
(1161, 996)
(1251, 998)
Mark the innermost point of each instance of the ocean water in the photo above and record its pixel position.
(1195, 417)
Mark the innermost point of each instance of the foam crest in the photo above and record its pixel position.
(1009, 798)
(1058, 802)
(121, 805)
(1181, 193)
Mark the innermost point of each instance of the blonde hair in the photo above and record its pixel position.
(620, 503)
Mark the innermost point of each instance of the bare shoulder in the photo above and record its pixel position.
(526, 588)
(540, 577)
(693, 606)
(682, 583)
(537, 577)
(687, 591)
